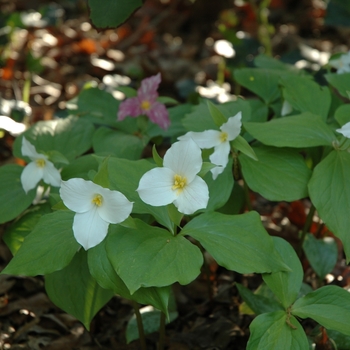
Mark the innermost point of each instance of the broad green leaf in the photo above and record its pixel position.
(328, 305)
(235, 202)
(321, 253)
(127, 90)
(259, 111)
(258, 303)
(75, 291)
(125, 176)
(71, 137)
(112, 13)
(299, 131)
(243, 146)
(116, 143)
(156, 157)
(152, 257)
(263, 82)
(271, 331)
(48, 248)
(264, 61)
(278, 174)
(23, 226)
(102, 176)
(341, 82)
(103, 272)
(167, 100)
(237, 242)
(342, 114)
(13, 198)
(57, 157)
(216, 114)
(286, 284)
(301, 92)
(80, 167)
(150, 320)
(330, 194)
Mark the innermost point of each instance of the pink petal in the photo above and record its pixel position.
(158, 114)
(130, 107)
(148, 89)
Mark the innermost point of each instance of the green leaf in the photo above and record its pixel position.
(263, 82)
(301, 92)
(330, 194)
(258, 303)
(75, 291)
(103, 272)
(328, 305)
(340, 82)
(57, 157)
(216, 114)
(112, 13)
(342, 114)
(116, 143)
(279, 174)
(152, 257)
(13, 198)
(303, 130)
(71, 137)
(80, 167)
(206, 167)
(342, 341)
(321, 253)
(125, 176)
(23, 226)
(286, 284)
(127, 91)
(156, 157)
(48, 248)
(167, 100)
(234, 241)
(272, 332)
(243, 146)
(102, 177)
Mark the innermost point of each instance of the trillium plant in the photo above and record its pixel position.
(116, 218)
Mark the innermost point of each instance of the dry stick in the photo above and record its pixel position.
(139, 325)
(161, 331)
(306, 229)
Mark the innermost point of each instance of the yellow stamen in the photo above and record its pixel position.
(145, 105)
(223, 136)
(97, 200)
(40, 162)
(179, 183)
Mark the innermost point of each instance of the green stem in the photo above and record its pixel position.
(306, 228)
(161, 331)
(139, 325)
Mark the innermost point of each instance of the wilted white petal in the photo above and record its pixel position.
(155, 187)
(220, 154)
(89, 228)
(195, 196)
(217, 171)
(115, 207)
(286, 108)
(29, 150)
(205, 139)
(30, 176)
(345, 130)
(184, 158)
(233, 126)
(51, 175)
(77, 194)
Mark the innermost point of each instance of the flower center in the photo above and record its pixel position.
(145, 105)
(179, 183)
(40, 162)
(223, 136)
(97, 200)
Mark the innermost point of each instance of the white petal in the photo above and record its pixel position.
(30, 176)
(184, 158)
(220, 154)
(345, 130)
(155, 187)
(217, 171)
(233, 126)
(205, 139)
(89, 228)
(51, 175)
(77, 194)
(115, 207)
(29, 150)
(195, 196)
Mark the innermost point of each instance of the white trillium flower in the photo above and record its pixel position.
(345, 130)
(39, 168)
(220, 140)
(177, 181)
(96, 207)
(342, 63)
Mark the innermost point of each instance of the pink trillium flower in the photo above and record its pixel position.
(145, 103)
